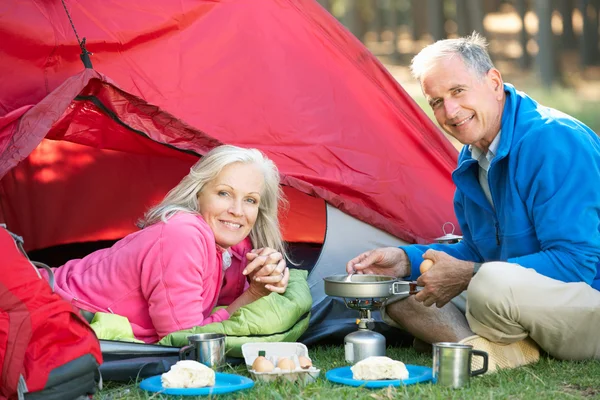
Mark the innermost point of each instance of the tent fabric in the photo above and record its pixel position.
(279, 75)
(81, 170)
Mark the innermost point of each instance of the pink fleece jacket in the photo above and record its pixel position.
(164, 278)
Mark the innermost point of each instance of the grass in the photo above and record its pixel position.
(548, 379)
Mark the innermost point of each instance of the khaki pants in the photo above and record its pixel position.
(507, 303)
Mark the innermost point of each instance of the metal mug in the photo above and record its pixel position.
(452, 364)
(206, 348)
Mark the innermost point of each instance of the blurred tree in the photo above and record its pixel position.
(436, 19)
(379, 21)
(589, 39)
(476, 15)
(463, 21)
(419, 18)
(525, 59)
(353, 19)
(326, 4)
(393, 22)
(490, 6)
(566, 8)
(547, 59)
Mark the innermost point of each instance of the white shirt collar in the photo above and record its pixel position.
(476, 153)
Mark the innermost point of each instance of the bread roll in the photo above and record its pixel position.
(379, 368)
(188, 374)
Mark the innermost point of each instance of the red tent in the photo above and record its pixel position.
(83, 152)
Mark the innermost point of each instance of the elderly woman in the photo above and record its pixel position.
(213, 240)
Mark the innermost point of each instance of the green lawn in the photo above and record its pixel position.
(548, 379)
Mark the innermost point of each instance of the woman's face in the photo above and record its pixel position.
(229, 203)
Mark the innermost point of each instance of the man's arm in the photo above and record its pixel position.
(463, 250)
(563, 199)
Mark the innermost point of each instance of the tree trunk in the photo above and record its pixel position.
(476, 16)
(546, 57)
(566, 7)
(436, 19)
(326, 4)
(419, 18)
(392, 22)
(525, 60)
(589, 38)
(594, 25)
(353, 19)
(379, 23)
(490, 6)
(462, 18)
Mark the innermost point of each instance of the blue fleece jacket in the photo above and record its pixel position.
(545, 186)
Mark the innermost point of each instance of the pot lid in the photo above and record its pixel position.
(448, 229)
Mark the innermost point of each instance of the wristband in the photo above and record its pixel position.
(476, 267)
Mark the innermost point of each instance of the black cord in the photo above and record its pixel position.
(85, 55)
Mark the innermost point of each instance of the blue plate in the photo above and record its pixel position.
(224, 383)
(416, 374)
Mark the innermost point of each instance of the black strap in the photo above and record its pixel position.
(19, 243)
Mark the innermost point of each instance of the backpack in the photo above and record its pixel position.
(47, 350)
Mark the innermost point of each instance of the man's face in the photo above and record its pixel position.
(466, 106)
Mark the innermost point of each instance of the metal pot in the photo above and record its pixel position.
(367, 286)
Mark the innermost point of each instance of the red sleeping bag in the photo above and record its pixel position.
(47, 350)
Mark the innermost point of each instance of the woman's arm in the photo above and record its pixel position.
(267, 272)
(180, 279)
(267, 266)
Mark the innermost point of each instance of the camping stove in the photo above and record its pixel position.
(365, 293)
(364, 342)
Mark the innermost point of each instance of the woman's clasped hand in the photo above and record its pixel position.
(267, 271)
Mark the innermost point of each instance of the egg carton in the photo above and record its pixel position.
(274, 352)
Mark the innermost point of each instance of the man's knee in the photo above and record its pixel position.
(494, 286)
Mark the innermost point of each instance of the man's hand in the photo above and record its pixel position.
(267, 271)
(446, 279)
(390, 261)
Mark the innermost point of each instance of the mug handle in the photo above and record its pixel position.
(186, 350)
(483, 369)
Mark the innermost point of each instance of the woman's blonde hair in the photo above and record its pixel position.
(184, 196)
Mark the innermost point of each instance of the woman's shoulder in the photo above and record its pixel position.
(186, 222)
(184, 234)
(183, 229)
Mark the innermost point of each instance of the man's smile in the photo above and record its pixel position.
(462, 122)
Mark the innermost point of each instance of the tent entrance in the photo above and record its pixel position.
(98, 169)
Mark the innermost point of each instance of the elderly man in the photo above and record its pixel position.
(528, 203)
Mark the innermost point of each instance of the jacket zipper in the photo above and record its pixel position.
(494, 211)
(497, 233)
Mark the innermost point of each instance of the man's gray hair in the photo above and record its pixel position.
(472, 49)
(184, 196)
